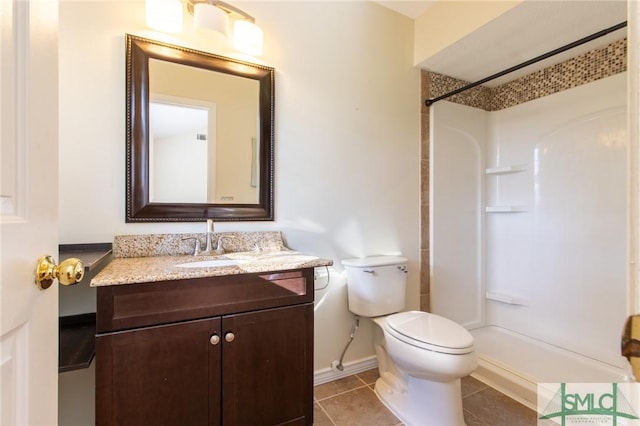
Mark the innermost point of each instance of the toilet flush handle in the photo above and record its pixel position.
(369, 271)
(403, 269)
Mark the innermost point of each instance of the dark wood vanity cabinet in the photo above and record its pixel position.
(232, 350)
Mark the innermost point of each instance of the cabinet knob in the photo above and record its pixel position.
(214, 340)
(229, 337)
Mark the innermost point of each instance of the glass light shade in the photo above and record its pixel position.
(209, 17)
(164, 15)
(247, 37)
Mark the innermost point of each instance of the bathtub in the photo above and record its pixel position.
(514, 364)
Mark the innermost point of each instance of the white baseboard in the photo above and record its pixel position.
(329, 375)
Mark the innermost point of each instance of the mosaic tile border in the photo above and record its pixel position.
(582, 69)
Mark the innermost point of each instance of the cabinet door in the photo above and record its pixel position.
(267, 369)
(163, 375)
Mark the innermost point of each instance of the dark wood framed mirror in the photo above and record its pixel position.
(221, 168)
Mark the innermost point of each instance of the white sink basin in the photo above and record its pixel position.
(212, 263)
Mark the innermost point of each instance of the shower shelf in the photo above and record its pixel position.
(506, 169)
(505, 209)
(506, 298)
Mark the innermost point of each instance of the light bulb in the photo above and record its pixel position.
(209, 17)
(247, 37)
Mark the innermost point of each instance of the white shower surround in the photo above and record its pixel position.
(529, 234)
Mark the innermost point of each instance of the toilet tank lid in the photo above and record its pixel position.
(371, 261)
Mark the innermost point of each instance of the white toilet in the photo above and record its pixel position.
(421, 356)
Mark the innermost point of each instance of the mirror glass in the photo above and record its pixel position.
(199, 135)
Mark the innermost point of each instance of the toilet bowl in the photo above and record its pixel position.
(421, 356)
(420, 371)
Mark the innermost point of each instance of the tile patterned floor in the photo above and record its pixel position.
(351, 401)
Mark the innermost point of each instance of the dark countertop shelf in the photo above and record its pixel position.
(77, 332)
(77, 341)
(95, 256)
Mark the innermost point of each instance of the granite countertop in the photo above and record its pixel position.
(131, 270)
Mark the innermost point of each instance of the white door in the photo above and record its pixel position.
(29, 210)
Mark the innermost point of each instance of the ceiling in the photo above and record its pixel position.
(412, 9)
(528, 30)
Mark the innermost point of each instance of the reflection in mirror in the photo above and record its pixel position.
(178, 140)
(199, 135)
(215, 157)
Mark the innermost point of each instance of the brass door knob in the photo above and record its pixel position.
(70, 271)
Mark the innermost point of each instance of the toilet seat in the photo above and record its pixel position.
(429, 331)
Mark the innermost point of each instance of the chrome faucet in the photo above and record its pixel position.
(196, 250)
(209, 248)
(209, 235)
(220, 245)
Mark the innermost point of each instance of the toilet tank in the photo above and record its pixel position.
(376, 285)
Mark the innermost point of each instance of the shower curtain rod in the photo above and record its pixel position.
(576, 43)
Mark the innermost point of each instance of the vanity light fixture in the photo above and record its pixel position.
(206, 16)
(214, 15)
(247, 37)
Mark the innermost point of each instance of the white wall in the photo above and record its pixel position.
(346, 135)
(434, 31)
